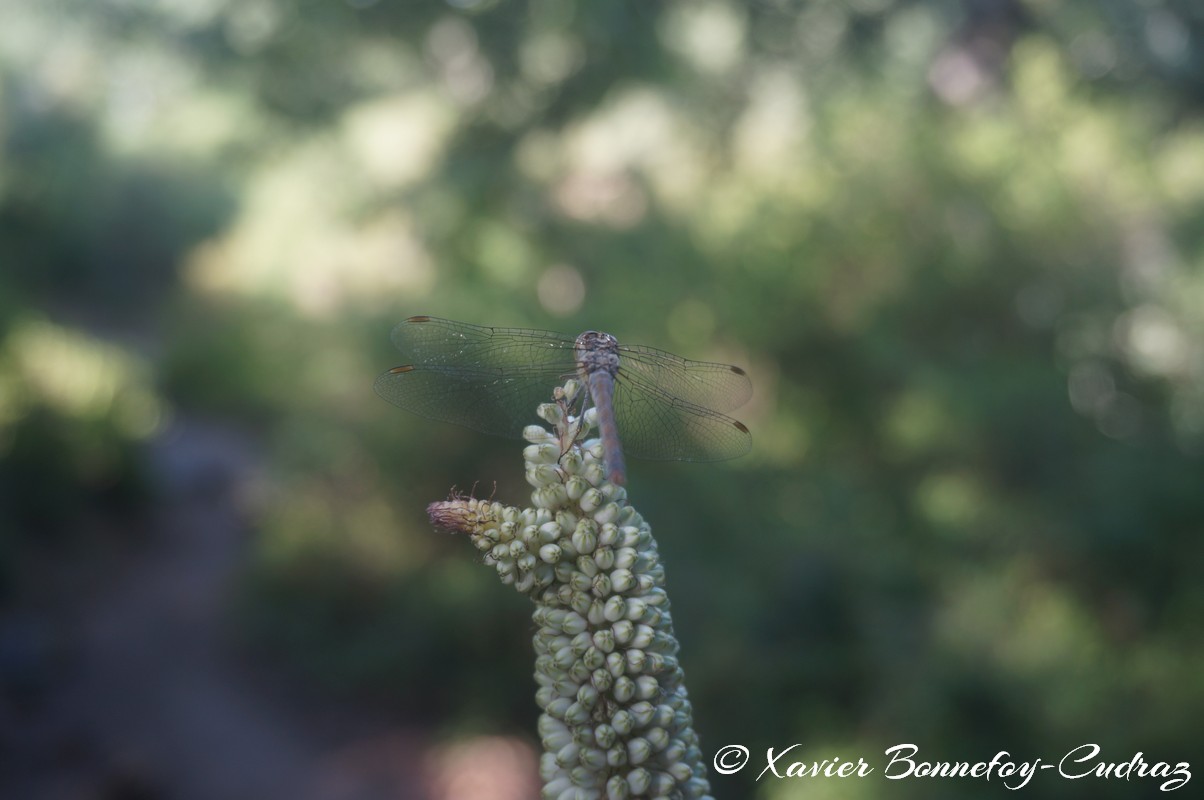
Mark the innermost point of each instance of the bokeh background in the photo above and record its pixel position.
(959, 246)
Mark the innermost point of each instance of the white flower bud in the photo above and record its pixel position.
(576, 486)
(582, 640)
(617, 789)
(545, 695)
(585, 537)
(580, 582)
(587, 696)
(609, 535)
(604, 640)
(525, 583)
(624, 689)
(576, 714)
(571, 462)
(582, 603)
(554, 787)
(623, 630)
(674, 752)
(579, 792)
(591, 500)
(657, 597)
(604, 558)
(614, 609)
(546, 453)
(621, 721)
(638, 780)
(596, 614)
(616, 756)
(593, 759)
(579, 672)
(613, 492)
(551, 413)
(658, 738)
(647, 687)
(601, 679)
(607, 513)
(567, 755)
(569, 391)
(662, 784)
(550, 725)
(615, 664)
(634, 609)
(550, 553)
(638, 750)
(559, 707)
(622, 580)
(589, 783)
(605, 735)
(625, 557)
(561, 571)
(644, 636)
(554, 742)
(642, 712)
(563, 658)
(600, 585)
(543, 475)
(593, 472)
(680, 771)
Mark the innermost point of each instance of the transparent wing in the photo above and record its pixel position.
(721, 387)
(430, 341)
(492, 379)
(660, 427)
(487, 379)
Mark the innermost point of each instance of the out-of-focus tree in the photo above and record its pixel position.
(958, 245)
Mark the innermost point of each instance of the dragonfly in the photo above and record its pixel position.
(651, 403)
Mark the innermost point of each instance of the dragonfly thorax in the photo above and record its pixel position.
(596, 351)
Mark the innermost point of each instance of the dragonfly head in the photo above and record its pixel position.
(595, 350)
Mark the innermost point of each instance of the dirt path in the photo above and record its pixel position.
(148, 700)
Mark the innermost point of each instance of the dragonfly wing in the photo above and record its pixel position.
(660, 427)
(707, 385)
(487, 379)
(431, 341)
(489, 401)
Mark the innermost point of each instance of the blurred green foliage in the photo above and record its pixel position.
(958, 245)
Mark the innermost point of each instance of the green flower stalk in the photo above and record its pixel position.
(616, 720)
